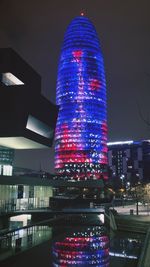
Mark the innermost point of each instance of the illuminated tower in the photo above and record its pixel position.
(81, 132)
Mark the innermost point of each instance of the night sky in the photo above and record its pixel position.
(35, 30)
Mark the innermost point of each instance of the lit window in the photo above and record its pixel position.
(39, 127)
(9, 79)
(130, 167)
(7, 170)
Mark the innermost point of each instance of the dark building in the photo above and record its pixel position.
(27, 119)
(130, 160)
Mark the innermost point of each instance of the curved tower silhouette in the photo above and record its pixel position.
(81, 131)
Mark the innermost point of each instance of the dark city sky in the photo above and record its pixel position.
(35, 29)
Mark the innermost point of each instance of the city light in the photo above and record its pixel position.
(10, 79)
(89, 247)
(81, 131)
(120, 143)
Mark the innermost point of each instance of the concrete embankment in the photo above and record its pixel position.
(136, 224)
(144, 260)
(132, 223)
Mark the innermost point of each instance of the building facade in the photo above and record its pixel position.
(27, 118)
(81, 131)
(6, 161)
(28, 121)
(24, 197)
(130, 160)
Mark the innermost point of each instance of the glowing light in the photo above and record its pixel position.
(121, 255)
(81, 131)
(101, 217)
(7, 170)
(120, 143)
(83, 248)
(10, 79)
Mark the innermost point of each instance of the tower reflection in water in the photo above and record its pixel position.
(86, 247)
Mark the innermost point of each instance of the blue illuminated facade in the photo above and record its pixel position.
(81, 132)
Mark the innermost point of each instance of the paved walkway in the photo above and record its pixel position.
(143, 210)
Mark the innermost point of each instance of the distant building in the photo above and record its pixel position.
(130, 160)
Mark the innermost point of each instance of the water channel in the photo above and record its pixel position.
(80, 241)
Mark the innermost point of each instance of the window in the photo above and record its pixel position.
(39, 127)
(7, 170)
(9, 79)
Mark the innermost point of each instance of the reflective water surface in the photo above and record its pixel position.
(84, 247)
(62, 245)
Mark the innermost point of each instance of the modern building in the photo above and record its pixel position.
(30, 191)
(6, 161)
(81, 131)
(19, 196)
(24, 192)
(27, 119)
(130, 160)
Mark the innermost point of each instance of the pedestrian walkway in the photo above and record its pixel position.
(126, 210)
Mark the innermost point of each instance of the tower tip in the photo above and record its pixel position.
(82, 13)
